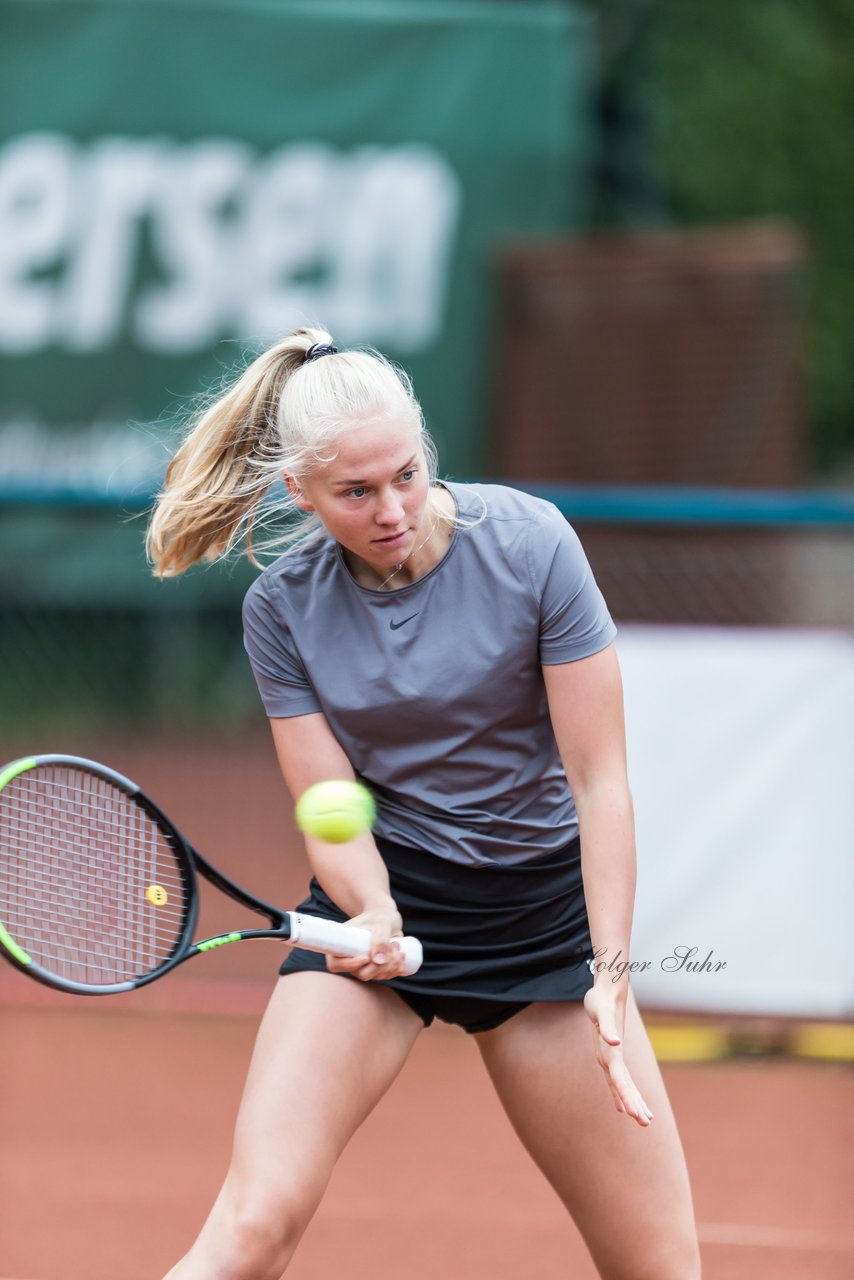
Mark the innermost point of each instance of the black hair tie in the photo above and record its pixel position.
(319, 349)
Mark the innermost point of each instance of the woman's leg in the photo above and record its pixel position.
(327, 1050)
(626, 1187)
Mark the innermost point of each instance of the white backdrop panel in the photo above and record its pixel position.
(740, 760)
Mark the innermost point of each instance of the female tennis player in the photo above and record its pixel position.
(447, 645)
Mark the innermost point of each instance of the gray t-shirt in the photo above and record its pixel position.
(435, 691)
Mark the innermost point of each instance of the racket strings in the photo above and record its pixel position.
(85, 871)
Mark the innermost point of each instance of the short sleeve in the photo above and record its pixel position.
(574, 619)
(284, 687)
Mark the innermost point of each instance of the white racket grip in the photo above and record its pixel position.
(346, 940)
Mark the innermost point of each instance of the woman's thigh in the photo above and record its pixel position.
(626, 1187)
(327, 1050)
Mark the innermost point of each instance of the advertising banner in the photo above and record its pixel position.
(182, 182)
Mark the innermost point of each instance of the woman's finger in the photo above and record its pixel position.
(606, 1028)
(366, 967)
(625, 1089)
(627, 1097)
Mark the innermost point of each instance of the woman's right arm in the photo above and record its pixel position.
(353, 874)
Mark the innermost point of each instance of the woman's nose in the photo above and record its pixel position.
(390, 509)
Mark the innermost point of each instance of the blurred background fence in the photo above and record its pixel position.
(100, 655)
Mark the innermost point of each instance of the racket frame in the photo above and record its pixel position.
(283, 924)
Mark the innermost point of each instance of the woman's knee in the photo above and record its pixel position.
(684, 1260)
(676, 1257)
(259, 1231)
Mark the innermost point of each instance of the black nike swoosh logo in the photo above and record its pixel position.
(395, 626)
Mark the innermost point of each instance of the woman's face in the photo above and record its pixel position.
(372, 496)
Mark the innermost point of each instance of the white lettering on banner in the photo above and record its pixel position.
(115, 185)
(36, 179)
(196, 246)
(106, 456)
(382, 274)
(175, 244)
(295, 210)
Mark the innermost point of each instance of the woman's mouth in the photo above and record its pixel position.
(393, 540)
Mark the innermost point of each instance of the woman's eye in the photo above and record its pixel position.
(407, 475)
(359, 492)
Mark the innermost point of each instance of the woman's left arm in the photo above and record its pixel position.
(586, 707)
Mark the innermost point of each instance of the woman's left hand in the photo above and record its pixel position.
(606, 1009)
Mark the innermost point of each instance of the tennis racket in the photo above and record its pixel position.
(99, 891)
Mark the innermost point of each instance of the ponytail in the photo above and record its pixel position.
(225, 466)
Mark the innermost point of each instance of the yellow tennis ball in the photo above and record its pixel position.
(157, 895)
(335, 811)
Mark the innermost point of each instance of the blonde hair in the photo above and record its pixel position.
(282, 415)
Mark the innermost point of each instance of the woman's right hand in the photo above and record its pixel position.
(606, 1009)
(385, 959)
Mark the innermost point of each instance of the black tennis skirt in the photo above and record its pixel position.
(495, 938)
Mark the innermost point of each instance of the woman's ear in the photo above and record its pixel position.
(296, 492)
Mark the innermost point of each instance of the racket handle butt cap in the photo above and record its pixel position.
(346, 940)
